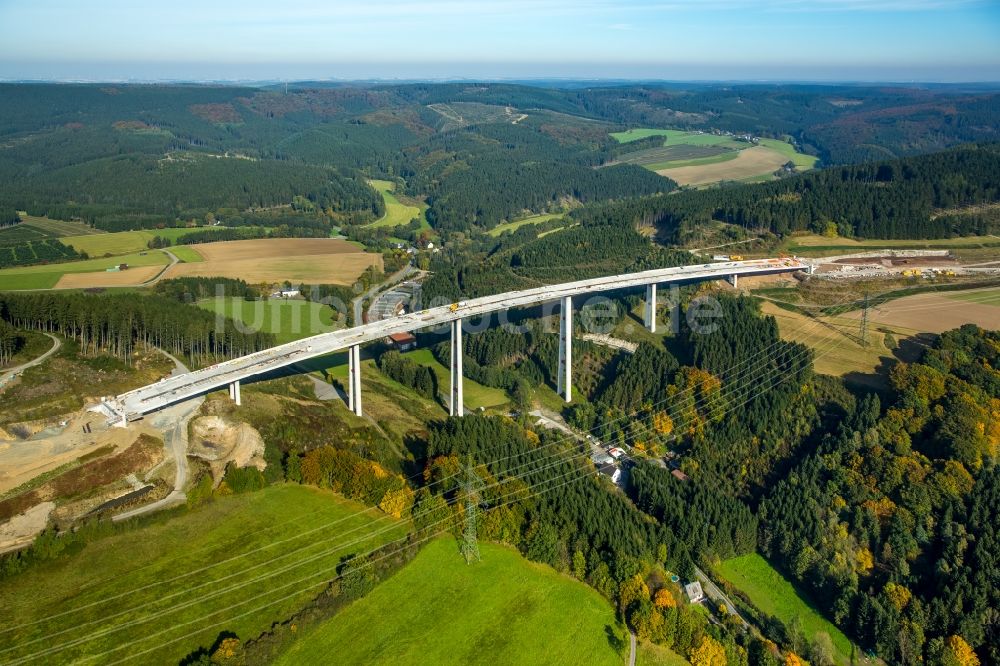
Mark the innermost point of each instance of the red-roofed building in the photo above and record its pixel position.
(402, 341)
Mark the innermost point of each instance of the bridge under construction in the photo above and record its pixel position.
(134, 404)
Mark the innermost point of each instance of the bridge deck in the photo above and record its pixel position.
(181, 387)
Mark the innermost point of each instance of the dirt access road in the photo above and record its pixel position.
(173, 421)
(10, 374)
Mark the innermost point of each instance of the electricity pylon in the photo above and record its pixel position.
(864, 323)
(470, 487)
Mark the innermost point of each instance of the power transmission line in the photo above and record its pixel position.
(471, 489)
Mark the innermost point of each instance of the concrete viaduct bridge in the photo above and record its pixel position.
(134, 404)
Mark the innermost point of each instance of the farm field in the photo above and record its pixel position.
(440, 610)
(288, 320)
(748, 162)
(772, 594)
(271, 260)
(937, 312)
(127, 573)
(816, 244)
(124, 242)
(58, 228)
(47, 276)
(692, 158)
(676, 153)
(834, 340)
(678, 137)
(476, 395)
(396, 212)
(517, 224)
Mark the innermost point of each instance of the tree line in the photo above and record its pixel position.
(116, 323)
(895, 199)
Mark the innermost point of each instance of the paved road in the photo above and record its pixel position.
(159, 276)
(715, 594)
(9, 375)
(174, 422)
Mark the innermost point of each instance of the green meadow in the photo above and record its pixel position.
(157, 592)
(45, 276)
(287, 319)
(774, 595)
(440, 610)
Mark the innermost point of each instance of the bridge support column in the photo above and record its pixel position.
(354, 379)
(651, 308)
(564, 381)
(456, 400)
(734, 280)
(234, 392)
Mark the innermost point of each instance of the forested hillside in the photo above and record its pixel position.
(123, 156)
(891, 522)
(117, 324)
(897, 199)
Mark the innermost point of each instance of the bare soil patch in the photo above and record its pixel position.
(219, 442)
(144, 452)
(126, 278)
(750, 162)
(21, 529)
(898, 261)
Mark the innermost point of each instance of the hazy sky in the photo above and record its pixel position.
(901, 40)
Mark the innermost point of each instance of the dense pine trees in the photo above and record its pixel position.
(10, 342)
(897, 199)
(409, 373)
(115, 324)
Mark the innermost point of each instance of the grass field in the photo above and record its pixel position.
(131, 573)
(650, 654)
(273, 260)
(772, 594)
(984, 297)
(396, 212)
(814, 244)
(440, 610)
(287, 319)
(672, 153)
(692, 158)
(749, 162)
(834, 339)
(58, 228)
(678, 137)
(187, 253)
(802, 161)
(476, 395)
(46, 276)
(517, 224)
(700, 161)
(123, 242)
